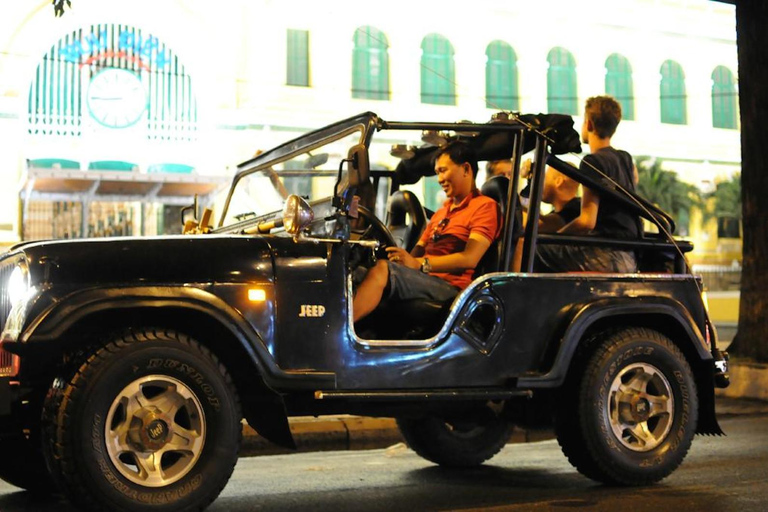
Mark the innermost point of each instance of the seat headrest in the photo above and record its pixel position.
(496, 188)
(400, 203)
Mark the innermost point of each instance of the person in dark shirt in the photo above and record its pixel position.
(559, 191)
(599, 216)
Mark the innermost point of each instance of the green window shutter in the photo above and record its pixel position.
(618, 83)
(297, 61)
(562, 97)
(370, 65)
(723, 99)
(501, 77)
(672, 94)
(438, 72)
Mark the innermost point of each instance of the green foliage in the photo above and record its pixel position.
(663, 188)
(727, 197)
(58, 6)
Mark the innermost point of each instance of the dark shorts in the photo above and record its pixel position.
(406, 284)
(574, 258)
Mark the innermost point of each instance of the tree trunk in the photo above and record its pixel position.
(752, 39)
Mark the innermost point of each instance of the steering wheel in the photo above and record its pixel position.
(376, 229)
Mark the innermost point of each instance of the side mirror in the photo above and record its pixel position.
(297, 214)
(359, 165)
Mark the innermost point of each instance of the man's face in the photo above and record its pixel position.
(585, 129)
(502, 168)
(549, 190)
(453, 177)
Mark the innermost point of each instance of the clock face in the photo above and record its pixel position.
(117, 98)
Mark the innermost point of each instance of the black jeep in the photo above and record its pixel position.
(128, 364)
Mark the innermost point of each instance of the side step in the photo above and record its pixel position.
(424, 394)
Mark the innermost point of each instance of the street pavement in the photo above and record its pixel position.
(360, 433)
(720, 474)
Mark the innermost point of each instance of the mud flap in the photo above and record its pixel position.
(707, 424)
(270, 420)
(5, 396)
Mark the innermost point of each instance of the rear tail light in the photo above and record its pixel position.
(9, 363)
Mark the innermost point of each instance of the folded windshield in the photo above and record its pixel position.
(310, 172)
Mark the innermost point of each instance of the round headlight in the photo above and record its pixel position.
(297, 214)
(18, 283)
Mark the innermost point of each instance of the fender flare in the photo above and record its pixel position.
(579, 319)
(62, 314)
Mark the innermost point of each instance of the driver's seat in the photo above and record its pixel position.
(406, 218)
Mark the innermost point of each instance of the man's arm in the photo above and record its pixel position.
(585, 222)
(418, 250)
(550, 223)
(456, 262)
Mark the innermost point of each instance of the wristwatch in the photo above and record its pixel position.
(426, 267)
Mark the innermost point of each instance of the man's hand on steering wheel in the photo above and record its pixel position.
(401, 256)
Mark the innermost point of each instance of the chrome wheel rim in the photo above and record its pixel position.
(155, 431)
(641, 407)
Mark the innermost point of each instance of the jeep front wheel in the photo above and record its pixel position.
(464, 442)
(150, 421)
(630, 415)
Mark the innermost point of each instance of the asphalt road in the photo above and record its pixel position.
(720, 474)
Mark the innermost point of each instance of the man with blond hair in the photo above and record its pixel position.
(599, 215)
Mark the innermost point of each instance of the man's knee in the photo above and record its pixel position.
(379, 274)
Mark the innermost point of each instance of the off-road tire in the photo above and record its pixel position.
(131, 379)
(455, 445)
(628, 416)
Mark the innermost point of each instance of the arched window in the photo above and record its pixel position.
(112, 77)
(723, 98)
(672, 94)
(370, 65)
(618, 83)
(438, 71)
(562, 97)
(501, 77)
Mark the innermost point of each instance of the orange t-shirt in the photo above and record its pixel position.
(448, 231)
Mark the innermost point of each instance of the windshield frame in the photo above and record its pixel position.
(364, 123)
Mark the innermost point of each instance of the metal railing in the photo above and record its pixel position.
(719, 277)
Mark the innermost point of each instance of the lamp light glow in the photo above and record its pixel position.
(257, 295)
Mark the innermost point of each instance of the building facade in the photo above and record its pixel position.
(180, 91)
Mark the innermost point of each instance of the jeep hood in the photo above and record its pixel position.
(151, 260)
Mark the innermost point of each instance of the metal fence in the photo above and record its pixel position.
(719, 277)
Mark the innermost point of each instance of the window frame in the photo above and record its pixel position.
(297, 58)
(619, 84)
(501, 77)
(672, 94)
(562, 82)
(438, 70)
(366, 84)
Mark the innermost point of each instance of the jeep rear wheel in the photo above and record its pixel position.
(150, 421)
(461, 442)
(630, 417)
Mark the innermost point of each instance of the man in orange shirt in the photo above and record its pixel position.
(443, 261)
